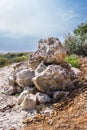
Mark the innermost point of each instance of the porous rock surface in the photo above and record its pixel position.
(54, 77)
(50, 51)
(43, 98)
(29, 102)
(23, 77)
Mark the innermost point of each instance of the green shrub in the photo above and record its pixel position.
(3, 61)
(81, 30)
(70, 43)
(73, 60)
(75, 44)
(19, 59)
(9, 58)
(9, 55)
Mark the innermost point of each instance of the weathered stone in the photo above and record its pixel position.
(11, 79)
(22, 96)
(31, 90)
(29, 102)
(11, 90)
(27, 90)
(54, 77)
(41, 67)
(48, 112)
(19, 89)
(23, 77)
(76, 71)
(43, 98)
(20, 66)
(50, 51)
(57, 95)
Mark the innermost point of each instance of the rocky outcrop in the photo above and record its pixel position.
(23, 77)
(54, 77)
(50, 51)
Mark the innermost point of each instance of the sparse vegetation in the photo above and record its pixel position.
(73, 60)
(3, 61)
(9, 58)
(17, 94)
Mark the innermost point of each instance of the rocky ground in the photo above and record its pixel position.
(45, 92)
(70, 114)
(10, 115)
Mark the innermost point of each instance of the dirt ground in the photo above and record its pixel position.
(72, 116)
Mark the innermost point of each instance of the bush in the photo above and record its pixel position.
(75, 44)
(73, 60)
(9, 58)
(81, 30)
(19, 59)
(70, 43)
(3, 61)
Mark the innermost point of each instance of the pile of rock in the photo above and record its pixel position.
(19, 78)
(48, 78)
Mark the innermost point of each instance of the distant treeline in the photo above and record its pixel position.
(9, 58)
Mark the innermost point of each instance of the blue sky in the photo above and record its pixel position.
(24, 22)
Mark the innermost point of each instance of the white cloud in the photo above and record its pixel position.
(34, 17)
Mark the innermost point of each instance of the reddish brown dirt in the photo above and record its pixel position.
(70, 116)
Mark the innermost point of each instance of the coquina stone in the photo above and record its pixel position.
(23, 77)
(50, 51)
(53, 78)
(29, 102)
(43, 98)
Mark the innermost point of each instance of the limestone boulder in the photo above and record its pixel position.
(30, 89)
(27, 90)
(53, 78)
(23, 77)
(29, 102)
(11, 90)
(76, 71)
(11, 79)
(50, 51)
(22, 96)
(43, 98)
(41, 67)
